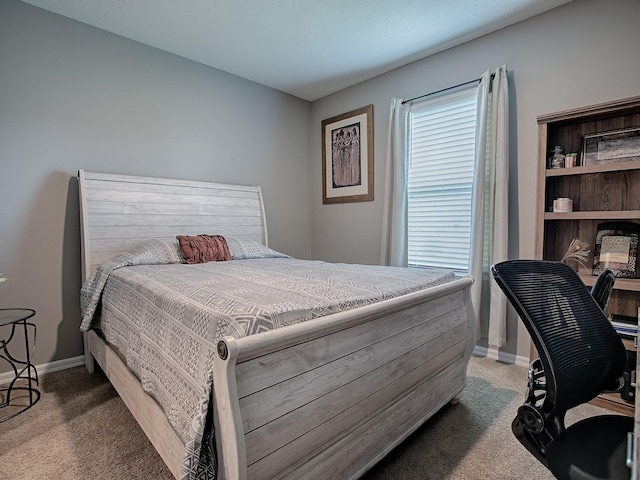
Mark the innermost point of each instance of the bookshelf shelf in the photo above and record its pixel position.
(626, 284)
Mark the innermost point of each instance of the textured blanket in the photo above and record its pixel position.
(166, 317)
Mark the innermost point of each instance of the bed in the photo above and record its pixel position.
(327, 397)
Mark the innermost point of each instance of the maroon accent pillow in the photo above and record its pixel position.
(204, 248)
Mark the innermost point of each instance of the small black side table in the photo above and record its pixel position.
(15, 318)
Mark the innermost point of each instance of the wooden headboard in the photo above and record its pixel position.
(119, 211)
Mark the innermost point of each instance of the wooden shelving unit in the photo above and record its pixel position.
(600, 193)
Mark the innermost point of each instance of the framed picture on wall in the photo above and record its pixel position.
(347, 157)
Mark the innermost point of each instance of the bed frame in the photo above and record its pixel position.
(327, 398)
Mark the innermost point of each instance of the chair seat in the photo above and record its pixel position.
(594, 448)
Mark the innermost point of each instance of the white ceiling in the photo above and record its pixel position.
(308, 48)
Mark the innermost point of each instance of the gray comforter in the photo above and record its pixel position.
(165, 317)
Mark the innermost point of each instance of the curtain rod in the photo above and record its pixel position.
(477, 80)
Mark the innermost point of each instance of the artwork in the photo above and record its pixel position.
(616, 248)
(347, 157)
(615, 146)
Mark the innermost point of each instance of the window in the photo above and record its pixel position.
(441, 149)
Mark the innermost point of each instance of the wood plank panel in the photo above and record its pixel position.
(380, 432)
(397, 376)
(120, 244)
(116, 197)
(266, 370)
(109, 181)
(222, 216)
(160, 231)
(119, 211)
(604, 167)
(273, 402)
(620, 107)
(129, 208)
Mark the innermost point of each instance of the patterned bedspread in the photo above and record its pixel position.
(165, 317)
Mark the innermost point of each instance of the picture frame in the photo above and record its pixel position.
(614, 146)
(347, 157)
(616, 249)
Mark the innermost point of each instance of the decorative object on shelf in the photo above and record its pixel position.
(614, 146)
(557, 157)
(578, 251)
(616, 248)
(571, 160)
(347, 157)
(563, 205)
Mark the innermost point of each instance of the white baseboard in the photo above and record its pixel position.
(6, 377)
(494, 353)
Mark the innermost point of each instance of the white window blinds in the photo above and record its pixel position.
(441, 164)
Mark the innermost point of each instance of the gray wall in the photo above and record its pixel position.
(75, 97)
(582, 53)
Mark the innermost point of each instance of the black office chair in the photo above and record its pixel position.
(601, 289)
(581, 355)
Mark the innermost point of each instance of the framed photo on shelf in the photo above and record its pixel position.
(347, 157)
(616, 249)
(614, 146)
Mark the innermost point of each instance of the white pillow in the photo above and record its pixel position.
(245, 249)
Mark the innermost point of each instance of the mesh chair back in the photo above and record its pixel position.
(581, 353)
(602, 287)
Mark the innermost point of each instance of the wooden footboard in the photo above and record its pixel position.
(328, 398)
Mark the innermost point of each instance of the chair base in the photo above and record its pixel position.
(594, 448)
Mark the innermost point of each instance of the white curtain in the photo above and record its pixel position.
(490, 203)
(394, 220)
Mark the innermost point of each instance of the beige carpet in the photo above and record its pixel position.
(80, 430)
